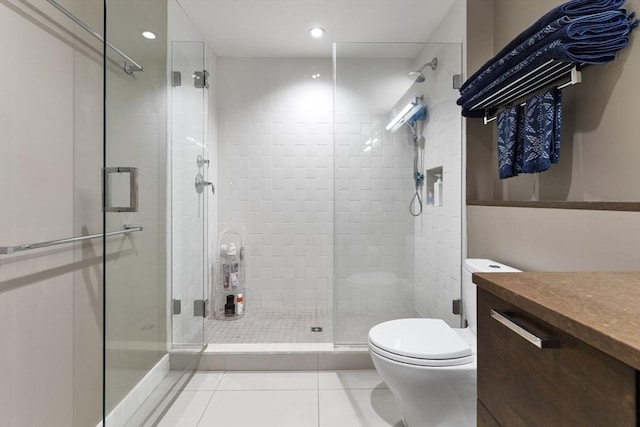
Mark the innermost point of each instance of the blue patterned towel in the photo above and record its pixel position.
(529, 136)
(571, 9)
(539, 132)
(520, 141)
(507, 134)
(599, 27)
(554, 150)
(578, 52)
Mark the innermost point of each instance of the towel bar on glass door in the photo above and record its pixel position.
(129, 67)
(8, 250)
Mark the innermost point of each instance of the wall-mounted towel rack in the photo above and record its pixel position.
(8, 250)
(130, 66)
(552, 73)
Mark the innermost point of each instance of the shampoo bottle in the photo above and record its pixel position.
(226, 267)
(239, 304)
(234, 265)
(437, 191)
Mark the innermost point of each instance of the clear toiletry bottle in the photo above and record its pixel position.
(234, 262)
(437, 191)
(226, 267)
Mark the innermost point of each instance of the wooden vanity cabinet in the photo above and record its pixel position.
(573, 384)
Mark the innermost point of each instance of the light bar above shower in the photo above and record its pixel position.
(404, 115)
(130, 66)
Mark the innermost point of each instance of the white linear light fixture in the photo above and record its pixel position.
(403, 116)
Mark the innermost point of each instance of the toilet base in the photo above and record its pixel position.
(431, 397)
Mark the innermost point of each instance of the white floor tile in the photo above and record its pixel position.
(269, 381)
(342, 380)
(203, 381)
(187, 409)
(295, 408)
(358, 408)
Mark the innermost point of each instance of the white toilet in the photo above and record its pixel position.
(430, 367)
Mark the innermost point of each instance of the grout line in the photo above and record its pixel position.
(206, 407)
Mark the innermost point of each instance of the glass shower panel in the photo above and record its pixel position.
(135, 196)
(51, 103)
(190, 189)
(385, 258)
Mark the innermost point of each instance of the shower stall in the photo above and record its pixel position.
(309, 173)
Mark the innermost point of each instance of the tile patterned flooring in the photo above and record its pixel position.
(266, 325)
(284, 399)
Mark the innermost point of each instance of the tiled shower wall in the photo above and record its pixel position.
(275, 176)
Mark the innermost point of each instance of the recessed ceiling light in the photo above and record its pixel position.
(316, 32)
(148, 35)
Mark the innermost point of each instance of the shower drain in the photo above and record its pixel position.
(316, 329)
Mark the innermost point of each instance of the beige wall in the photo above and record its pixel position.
(555, 239)
(599, 161)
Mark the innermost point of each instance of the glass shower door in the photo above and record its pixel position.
(390, 264)
(135, 186)
(190, 190)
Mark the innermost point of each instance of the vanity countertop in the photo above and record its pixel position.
(599, 308)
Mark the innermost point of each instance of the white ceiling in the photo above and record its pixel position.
(279, 28)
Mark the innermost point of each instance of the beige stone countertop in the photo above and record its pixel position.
(599, 308)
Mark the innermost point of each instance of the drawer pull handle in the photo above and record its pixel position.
(538, 341)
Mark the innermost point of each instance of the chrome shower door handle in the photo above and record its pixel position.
(111, 181)
(201, 183)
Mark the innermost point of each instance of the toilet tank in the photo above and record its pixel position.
(469, 292)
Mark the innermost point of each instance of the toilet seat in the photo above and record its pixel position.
(423, 342)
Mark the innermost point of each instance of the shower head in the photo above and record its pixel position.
(417, 75)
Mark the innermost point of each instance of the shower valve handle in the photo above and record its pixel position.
(201, 183)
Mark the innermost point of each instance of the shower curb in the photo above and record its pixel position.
(265, 357)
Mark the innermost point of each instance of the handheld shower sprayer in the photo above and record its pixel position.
(411, 114)
(418, 176)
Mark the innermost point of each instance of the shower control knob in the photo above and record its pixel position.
(201, 183)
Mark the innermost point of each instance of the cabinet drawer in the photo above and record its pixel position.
(572, 385)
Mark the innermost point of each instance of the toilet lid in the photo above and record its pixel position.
(430, 339)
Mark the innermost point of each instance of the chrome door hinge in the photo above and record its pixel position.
(200, 307)
(176, 306)
(457, 306)
(201, 79)
(176, 78)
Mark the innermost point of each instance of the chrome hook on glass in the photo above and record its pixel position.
(201, 183)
